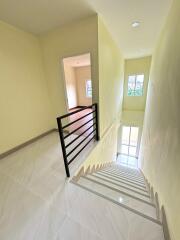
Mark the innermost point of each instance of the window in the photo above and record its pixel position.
(135, 85)
(129, 140)
(89, 88)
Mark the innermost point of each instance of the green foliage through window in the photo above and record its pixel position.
(135, 85)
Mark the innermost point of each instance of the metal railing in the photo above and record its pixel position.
(90, 133)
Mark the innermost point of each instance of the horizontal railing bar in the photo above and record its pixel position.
(79, 128)
(81, 149)
(69, 124)
(69, 114)
(79, 136)
(69, 153)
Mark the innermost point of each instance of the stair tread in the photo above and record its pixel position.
(141, 207)
(123, 179)
(122, 183)
(118, 173)
(121, 188)
(129, 224)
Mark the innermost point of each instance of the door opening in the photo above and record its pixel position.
(129, 141)
(128, 146)
(78, 84)
(78, 91)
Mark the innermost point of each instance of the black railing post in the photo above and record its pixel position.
(97, 123)
(63, 146)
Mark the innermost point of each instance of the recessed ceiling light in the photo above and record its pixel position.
(135, 24)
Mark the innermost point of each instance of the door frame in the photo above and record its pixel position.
(64, 78)
(138, 140)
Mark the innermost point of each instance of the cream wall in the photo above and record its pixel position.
(133, 118)
(136, 66)
(73, 39)
(24, 101)
(82, 75)
(106, 149)
(160, 151)
(111, 76)
(71, 86)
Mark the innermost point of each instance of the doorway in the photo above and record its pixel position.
(78, 89)
(129, 141)
(77, 78)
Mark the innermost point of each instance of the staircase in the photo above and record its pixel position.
(127, 188)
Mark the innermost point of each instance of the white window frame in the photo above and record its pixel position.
(87, 95)
(135, 75)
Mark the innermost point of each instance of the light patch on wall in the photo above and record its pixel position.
(135, 24)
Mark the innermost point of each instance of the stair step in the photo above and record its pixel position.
(127, 190)
(141, 180)
(136, 172)
(138, 176)
(123, 178)
(139, 207)
(122, 181)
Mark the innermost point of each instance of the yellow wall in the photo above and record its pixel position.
(71, 85)
(160, 152)
(82, 75)
(136, 66)
(24, 102)
(111, 76)
(74, 39)
(132, 118)
(106, 149)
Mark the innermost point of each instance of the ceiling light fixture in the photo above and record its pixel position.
(135, 24)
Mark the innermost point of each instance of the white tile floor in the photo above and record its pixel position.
(37, 203)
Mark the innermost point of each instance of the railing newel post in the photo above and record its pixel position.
(97, 123)
(63, 147)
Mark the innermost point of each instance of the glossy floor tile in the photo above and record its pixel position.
(127, 161)
(129, 191)
(38, 203)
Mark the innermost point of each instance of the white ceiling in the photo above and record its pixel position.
(38, 16)
(78, 61)
(119, 15)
